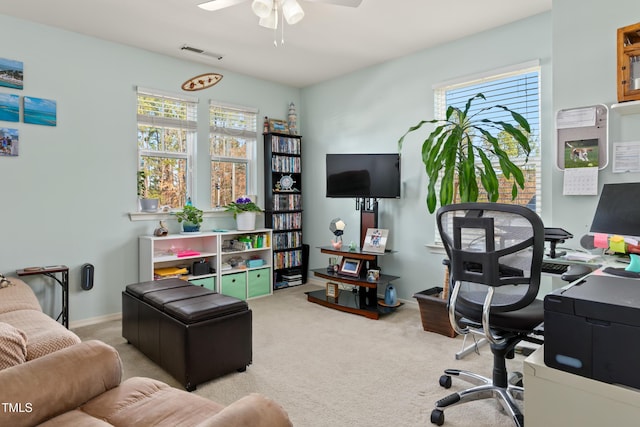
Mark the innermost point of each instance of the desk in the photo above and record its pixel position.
(558, 398)
(63, 281)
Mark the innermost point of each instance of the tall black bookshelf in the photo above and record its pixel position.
(283, 207)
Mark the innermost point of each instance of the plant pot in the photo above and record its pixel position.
(434, 312)
(246, 221)
(149, 205)
(190, 227)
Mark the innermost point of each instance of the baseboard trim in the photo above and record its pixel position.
(95, 320)
(117, 316)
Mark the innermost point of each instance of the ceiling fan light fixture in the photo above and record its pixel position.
(262, 8)
(270, 21)
(292, 11)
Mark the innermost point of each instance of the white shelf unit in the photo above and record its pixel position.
(241, 281)
(626, 108)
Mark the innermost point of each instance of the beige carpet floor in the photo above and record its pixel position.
(333, 369)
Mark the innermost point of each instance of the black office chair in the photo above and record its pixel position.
(495, 253)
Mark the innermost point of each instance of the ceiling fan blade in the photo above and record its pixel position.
(348, 3)
(219, 4)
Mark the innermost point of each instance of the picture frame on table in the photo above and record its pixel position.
(278, 126)
(332, 290)
(350, 267)
(375, 240)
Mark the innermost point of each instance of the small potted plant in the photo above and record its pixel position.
(192, 218)
(244, 212)
(146, 204)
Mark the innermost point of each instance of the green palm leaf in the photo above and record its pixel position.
(451, 151)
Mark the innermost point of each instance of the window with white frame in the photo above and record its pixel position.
(167, 129)
(232, 145)
(518, 89)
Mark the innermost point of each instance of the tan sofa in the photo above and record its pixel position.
(81, 386)
(26, 332)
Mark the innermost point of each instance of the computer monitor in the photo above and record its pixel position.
(618, 210)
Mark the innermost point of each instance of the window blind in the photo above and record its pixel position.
(517, 89)
(161, 109)
(233, 120)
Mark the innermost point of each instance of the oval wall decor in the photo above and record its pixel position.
(202, 81)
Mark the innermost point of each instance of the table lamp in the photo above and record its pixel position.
(337, 228)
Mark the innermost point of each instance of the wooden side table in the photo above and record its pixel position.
(63, 280)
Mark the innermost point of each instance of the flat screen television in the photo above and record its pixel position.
(374, 176)
(618, 210)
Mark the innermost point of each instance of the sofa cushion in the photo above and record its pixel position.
(77, 417)
(254, 410)
(59, 382)
(13, 346)
(44, 335)
(147, 402)
(18, 297)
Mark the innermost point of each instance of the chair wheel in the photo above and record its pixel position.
(445, 381)
(516, 379)
(437, 417)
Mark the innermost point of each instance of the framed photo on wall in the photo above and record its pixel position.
(350, 266)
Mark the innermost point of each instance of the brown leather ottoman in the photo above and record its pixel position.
(193, 333)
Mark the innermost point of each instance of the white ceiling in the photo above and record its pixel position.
(330, 41)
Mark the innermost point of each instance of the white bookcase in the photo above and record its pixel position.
(240, 262)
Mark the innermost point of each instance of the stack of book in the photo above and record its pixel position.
(168, 272)
(292, 278)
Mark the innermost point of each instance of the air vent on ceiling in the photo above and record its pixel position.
(202, 52)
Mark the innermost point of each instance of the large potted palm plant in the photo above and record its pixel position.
(464, 148)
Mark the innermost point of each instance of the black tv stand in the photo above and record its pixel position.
(364, 301)
(368, 216)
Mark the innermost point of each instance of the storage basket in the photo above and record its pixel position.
(434, 312)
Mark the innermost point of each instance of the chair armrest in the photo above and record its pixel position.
(253, 410)
(57, 383)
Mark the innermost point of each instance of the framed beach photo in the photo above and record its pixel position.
(375, 240)
(39, 111)
(11, 73)
(9, 107)
(350, 267)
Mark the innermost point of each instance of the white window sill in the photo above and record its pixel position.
(435, 248)
(156, 216)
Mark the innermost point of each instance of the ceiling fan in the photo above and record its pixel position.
(267, 10)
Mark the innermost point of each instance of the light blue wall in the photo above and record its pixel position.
(584, 73)
(66, 198)
(369, 110)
